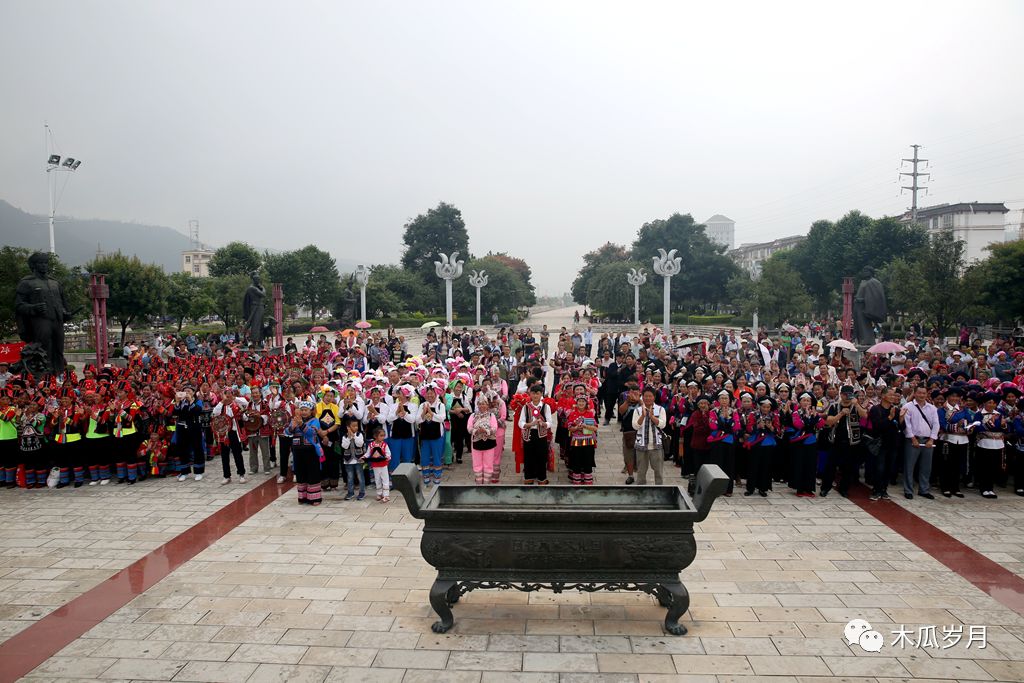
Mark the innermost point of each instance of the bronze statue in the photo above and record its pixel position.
(252, 309)
(348, 305)
(40, 310)
(868, 307)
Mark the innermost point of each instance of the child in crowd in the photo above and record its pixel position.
(378, 455)
(352, 452)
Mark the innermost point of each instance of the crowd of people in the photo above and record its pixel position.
(342, 413)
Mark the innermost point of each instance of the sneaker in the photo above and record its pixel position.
(947, 494)
(629, 480)
(348, 497)
(182, 477)
(361, 496)
(929, 496)
(241, 479)
(885, 496)
(958, 494)
(199, 477)
(280, 479)
(989, 494)
(874, 496)
(94, 482)
(908, 496)
(104, 482)
(748, 493)
(225, 481)
(764, 494)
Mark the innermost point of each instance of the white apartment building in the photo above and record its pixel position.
(978, 224)
(721, 230)
(196, 262)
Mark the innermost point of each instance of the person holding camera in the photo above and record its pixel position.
(844, 435)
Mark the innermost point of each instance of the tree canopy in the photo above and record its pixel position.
(833, 251)
(137, 289)
(440, 230)
(1002, 278)
(592, 261)
(235, 258)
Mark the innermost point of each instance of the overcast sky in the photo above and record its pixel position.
(554, 126)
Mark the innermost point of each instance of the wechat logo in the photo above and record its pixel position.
(859, 632)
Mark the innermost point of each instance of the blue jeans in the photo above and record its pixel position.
(353, 471)
(402, 450)
(431, 451)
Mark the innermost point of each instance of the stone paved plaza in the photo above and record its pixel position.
(339, 593)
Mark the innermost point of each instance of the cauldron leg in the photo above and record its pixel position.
(439, 601)
(680, 603)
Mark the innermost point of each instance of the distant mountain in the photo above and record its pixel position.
(77, 240)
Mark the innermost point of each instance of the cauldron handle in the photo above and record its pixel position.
(711, 483)
(408, 481)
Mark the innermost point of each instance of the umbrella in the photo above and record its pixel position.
(429, 324)
(886, 347)
(504, 324)
(318, 328)
(766, 355)
(789, 328)
(690, 341)
(363, 325)
(842, 344)
(348, 333)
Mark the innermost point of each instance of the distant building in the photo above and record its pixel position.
(750, 257)
(721, 230)
(196, 262)
(978, 224)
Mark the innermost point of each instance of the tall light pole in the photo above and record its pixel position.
(636, 278)
(362, 276)
(667, 265)
(478, 280)
(53, 163)
(448, 268)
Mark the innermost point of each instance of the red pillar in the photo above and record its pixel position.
(848, 308)
(278, 315)
(99, 292)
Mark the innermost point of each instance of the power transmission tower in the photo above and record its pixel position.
(914, 185)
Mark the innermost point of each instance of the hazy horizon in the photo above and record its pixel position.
(554, 127)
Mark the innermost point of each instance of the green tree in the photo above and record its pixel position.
(1002, 277)
(611, 294)
(187, 298)
(236, 258)
(504, 292)
(592, 261)
(933, 284)
(227, 293)
(284, 268)
(137, 289)
(14, 266)
(440, 230)
(833, 251)
(395, 290)
(317, 279)
(705, 268)
(516, 264)
(778, 294)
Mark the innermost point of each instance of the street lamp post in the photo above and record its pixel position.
(478, 280)
(636, 278)
(448, 268)
(667, 265)
(53, 163)
(362, 276)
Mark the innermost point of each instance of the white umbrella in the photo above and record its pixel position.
(690, 341)
(842, 344)
(766, 355)
(430, 324)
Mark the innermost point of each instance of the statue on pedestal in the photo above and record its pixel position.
(348, 303)
(40, 310)
(868, 307)
(252, 310)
